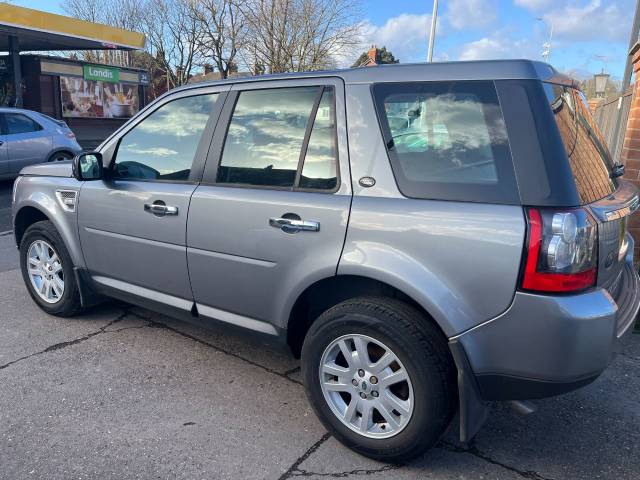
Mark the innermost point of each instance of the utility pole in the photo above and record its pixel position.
(633, 39)
(626, 81)
(432, 36)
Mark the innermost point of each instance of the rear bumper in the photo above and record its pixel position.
(547, 345)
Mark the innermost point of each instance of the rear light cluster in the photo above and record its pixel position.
(562, 251)
(71, 135)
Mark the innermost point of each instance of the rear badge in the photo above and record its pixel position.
(367, 182)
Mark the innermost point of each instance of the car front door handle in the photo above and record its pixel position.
(160, 209)
(292, 225)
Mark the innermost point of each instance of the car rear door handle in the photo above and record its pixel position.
(160, 209)
(291, 225)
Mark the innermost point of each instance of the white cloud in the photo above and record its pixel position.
(535, 4)
(497, 46)
(471, 14)
(405, 36)
(590, 21)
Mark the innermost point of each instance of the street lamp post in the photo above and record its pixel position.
(432, 36)
(601, 84)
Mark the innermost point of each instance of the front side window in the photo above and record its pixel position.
(163, 145)
(283, 138)
(19, 123)
(447, 140)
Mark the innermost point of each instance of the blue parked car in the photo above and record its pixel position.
(28, 137)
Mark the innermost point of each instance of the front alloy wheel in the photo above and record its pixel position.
(45, 271)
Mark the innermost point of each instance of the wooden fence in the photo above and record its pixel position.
(612, 128)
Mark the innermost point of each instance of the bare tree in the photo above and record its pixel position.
(222, 26)
(300, 35)
(173, 37)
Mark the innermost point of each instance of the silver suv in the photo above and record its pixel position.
(427, 238)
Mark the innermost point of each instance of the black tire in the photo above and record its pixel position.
(423, 351)
(69, 304)
(60, 156)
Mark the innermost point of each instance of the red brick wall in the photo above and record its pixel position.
(631, 148)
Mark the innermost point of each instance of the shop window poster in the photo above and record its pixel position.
(95, 99)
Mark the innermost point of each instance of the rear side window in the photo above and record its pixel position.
(19, 123)
(447, 140)
(588, 154)
(282, 138)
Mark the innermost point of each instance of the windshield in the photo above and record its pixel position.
(586, 148)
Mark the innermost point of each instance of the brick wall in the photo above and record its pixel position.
(631, 148)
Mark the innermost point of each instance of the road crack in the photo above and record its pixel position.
(68, 343)
(473, 450)
(293, 470)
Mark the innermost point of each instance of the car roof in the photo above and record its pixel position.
(437, 71)
(17, 110)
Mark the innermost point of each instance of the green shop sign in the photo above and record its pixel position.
(105, 74)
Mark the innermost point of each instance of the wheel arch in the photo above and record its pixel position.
(60, 150)
(40, 206)
(327, 292)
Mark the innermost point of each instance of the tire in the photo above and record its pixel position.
(68, 303)
(60, 156)
(422, 352)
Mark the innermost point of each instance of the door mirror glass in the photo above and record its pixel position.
(88, 166)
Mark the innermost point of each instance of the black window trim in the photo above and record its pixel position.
(199, 158)
(210, 177)
(505, 191)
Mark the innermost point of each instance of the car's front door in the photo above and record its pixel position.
(27, 141)
(133, 224)
(271, 214)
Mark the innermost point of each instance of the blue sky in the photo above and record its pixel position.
(587, 34)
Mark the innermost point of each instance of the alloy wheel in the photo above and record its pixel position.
(45, 271)
(366, 386)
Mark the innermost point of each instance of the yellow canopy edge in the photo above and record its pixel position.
(27, 18)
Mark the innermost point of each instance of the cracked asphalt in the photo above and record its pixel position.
(122, 392)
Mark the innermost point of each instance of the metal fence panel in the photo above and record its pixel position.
(606, 116)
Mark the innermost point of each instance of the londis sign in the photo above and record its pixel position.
(100, 73)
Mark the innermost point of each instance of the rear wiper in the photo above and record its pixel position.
(617, 171)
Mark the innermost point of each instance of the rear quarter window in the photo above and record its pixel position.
(589, 157)
(447, 140)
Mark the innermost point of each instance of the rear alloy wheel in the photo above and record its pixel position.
(366, 386)
(380, 377)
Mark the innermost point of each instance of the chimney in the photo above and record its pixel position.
(373, 55)
(208, 68)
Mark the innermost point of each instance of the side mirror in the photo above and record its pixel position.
(88, 166)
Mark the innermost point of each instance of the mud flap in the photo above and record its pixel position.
(88, 294)
(473, 409)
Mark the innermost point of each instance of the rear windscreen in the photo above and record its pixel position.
(447, 140)
(588, 154)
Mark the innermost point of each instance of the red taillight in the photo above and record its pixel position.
(71, 135)
(562, 251)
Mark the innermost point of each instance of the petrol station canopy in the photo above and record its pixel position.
(41, 31)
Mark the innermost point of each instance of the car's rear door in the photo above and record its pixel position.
(28, 142)
(133, 223)
(271, 214)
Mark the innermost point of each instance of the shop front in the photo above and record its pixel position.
(94, 100)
